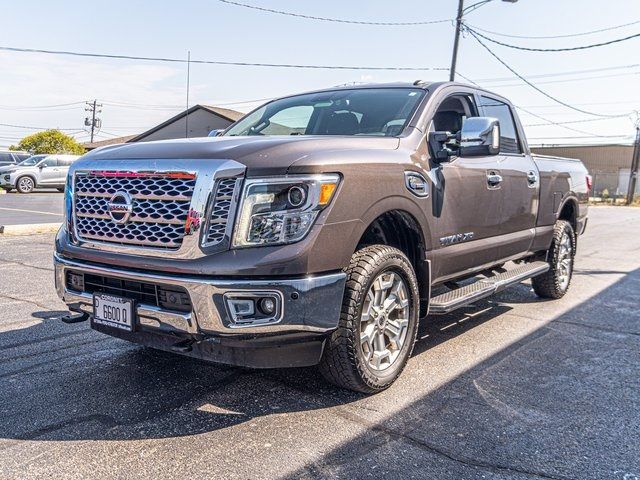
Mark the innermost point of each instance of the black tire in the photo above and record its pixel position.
(555, 282)
(344, 362)
(25, 184)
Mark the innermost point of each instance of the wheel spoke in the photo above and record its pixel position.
(384, 320)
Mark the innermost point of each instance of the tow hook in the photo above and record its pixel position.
(80, 317)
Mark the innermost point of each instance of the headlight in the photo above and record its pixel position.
(275, 211)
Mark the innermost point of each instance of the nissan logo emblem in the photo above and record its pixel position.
(120, 207)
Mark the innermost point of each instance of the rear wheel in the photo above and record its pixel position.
(555, 282)
(378, 321)
(25, 184)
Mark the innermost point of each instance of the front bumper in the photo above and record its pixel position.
(310, 305)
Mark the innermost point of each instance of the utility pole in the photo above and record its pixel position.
(94, 122)
(635, 163)
(459, 17)
(456, 41)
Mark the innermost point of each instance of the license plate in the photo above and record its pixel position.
(113, 311)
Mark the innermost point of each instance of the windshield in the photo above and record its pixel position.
(364, 111)
(31, 160)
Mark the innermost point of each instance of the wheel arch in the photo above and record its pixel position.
(568, 211)
(30, 175)
(399, 228)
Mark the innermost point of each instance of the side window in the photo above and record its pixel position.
(508, 135)
(50, 162)
(452, 113)
(6, 158)
(289, 121)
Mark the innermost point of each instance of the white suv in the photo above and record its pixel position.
(37, 171)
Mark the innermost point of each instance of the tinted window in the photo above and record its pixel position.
(363, 111)
(6, 158)
(32, 160)
(50, 162)
(508, 136)
(21, 156)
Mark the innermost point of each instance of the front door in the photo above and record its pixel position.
(465, 201)
(50, 172)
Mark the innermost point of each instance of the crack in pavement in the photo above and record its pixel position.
(22, 264)
(422, 444)
(31, 302)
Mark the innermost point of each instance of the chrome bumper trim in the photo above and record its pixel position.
(310, 304)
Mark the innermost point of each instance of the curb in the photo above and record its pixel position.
(28, 229)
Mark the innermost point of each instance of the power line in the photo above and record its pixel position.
(588, 120)
(336, 20)
(549, 122)
(217, 62)
(576, 137)
(560, 74)
(539, 90)
(570, 80)
(567, 49)
(27, 127)
(542, 37)
(57, 107)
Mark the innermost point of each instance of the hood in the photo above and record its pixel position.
(261, 155)
(10, 169)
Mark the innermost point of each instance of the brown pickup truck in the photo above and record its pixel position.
(319, 229)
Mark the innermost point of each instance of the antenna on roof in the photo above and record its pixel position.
(419, 82)
(186, 118)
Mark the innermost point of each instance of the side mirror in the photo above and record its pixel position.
(479, 137)
(41, 166)
(216, 132)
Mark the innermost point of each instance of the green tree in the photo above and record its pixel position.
(49, 141)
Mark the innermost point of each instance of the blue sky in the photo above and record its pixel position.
(138, 94)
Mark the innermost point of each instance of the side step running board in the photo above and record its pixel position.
(449, 301)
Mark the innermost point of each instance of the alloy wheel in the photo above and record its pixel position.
(384, 320)
(565, 260)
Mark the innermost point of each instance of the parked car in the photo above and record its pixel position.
(48, 171)
(318, 229)
(10, 157)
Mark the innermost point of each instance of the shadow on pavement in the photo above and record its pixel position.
(561, 402)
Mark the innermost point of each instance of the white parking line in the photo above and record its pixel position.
(31, 211)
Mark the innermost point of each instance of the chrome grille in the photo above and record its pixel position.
(219, 218)
(161, 205)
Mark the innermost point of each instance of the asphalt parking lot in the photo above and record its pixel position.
(513, 387)
(41, 206)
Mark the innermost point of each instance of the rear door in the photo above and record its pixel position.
(519, 187)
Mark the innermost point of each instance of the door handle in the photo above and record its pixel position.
(532, 178)
(493, 179)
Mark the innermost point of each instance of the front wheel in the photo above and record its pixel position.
(555, 282)
(25, 185)
(378, 321)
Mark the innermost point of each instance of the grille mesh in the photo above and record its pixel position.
(220, 211)
(160, 207)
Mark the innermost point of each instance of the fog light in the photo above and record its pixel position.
(267, 305)
(241, 308)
